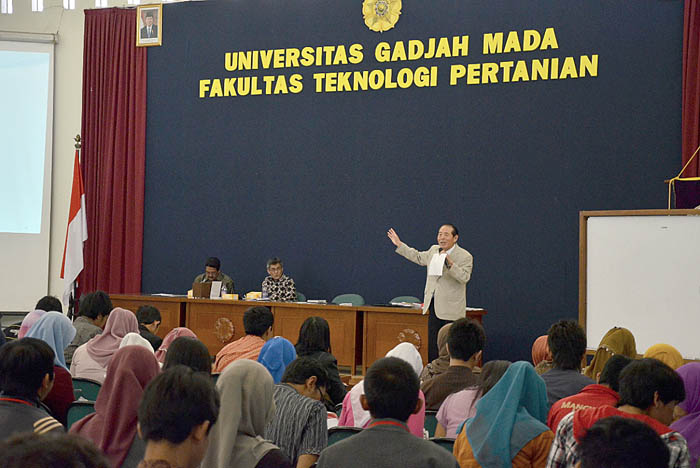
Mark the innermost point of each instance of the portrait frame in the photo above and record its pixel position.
(143, 13)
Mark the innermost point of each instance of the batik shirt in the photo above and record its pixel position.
(282, 290)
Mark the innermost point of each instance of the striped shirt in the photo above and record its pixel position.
(299, 426)
(19, 415)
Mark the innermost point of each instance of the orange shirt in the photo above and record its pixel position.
(247, 347)
(533, 454)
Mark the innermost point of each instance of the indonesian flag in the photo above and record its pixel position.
(76, 233)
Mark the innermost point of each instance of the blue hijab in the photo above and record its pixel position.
(509, 416)
(55, 329)
(276, 355)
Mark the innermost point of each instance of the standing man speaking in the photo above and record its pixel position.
(449, 270)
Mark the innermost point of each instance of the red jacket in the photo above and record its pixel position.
(592, 396)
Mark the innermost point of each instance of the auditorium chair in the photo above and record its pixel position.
(338, 433)
(86, 388)
(445, 442)
(78, 410)
(354, 299)
(430, 422)
(410, 299)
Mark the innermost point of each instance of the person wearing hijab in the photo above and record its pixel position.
(439, 365)
(354, 415)
(541, 355)
(275, 355)
(112, 427)
(616, 341)
(509, 426)
(91, 359)
(666, 354)
(169, 338)
(135, 339)
(689, 410)
(246, 390)
(29, 320)
(55, 329)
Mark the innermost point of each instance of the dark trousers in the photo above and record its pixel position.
(434, 326)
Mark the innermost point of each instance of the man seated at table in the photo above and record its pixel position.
(278, 286)
(212, 272)
(257, 322)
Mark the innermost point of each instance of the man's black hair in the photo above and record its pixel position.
(94, 304)
(300, 369)
(274, 261)
(391, 389)
(455, 231)
(52, 450)
(214, 263)
(618, 442)
(190, 352)
(49, 304)
(567, 343)
(147, 314)
(257, 320)
(23, 365)
(465, 338)
(314, 336)
(610, 375)
(641, 378)
(175, 402)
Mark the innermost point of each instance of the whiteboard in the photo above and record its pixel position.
(643, 274)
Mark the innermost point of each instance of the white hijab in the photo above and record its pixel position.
(134, 339)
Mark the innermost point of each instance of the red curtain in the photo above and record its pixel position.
(691, 86)
(114, 150)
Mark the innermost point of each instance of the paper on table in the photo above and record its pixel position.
(436, 263)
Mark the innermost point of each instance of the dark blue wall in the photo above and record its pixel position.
(317, 179)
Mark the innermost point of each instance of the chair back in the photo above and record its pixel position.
(86, 388)
(338, 433)
(78, 410)
(430, 422)
(338, 409)
(444, 442)
(354, 299)
(301, 297)
(215, 377)
(410, 299)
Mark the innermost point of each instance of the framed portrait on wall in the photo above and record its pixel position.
(149, 25)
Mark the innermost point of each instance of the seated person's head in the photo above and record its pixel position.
(610, 374)
(307, 376)
(179, 407)
(49, 304)
(96, 306)
(149, 317)
(314, 335)
(258, 321)
(653, 387)
(391, 390)
(567, 343)
(275, 268)
(26, 368)
(211, 268)
(50, 450)
(618, 442)
(491, 373)
(190, 352)
(465, 340)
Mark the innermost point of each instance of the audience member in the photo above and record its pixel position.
(95, 307)
(112, 427)
(257, 322)
(299, 425)
(49, 304)
(541, 356)
(55, 329)
(275, 355)
(440, 364)
(135, 339)
(26, 377)
(605, 392)
(353, 414)
(149, 321)
(212, 272)
(278, 286)
(28, 322)
(391, 396)
(178, 409)
(465, 342)
(688, 411)
(509, 426)
(172, 335)
(461, 405)
(567, 342)
(666, 354)
(53, 450)
(615, 342)
(91, 359)
(315, 341)
(649, 391)
(247, 405)
(190, 352)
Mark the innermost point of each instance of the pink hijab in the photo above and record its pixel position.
(102, 347)
(540, 350)
(112, 427)
(29, 320)
(169, 338)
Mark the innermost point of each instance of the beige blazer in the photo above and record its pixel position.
(449, 291)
